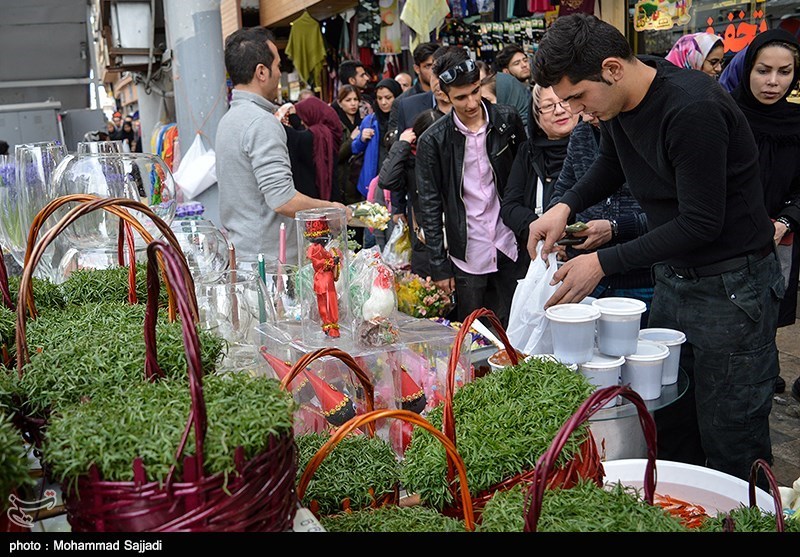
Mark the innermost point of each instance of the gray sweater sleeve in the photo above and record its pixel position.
(264, 142)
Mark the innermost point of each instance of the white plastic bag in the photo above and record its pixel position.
(397, 251)
(197, 170)
(528, 327)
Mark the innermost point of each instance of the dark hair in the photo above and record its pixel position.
(345, 90)
(450, 59)
(244, 50)
(575, 46)
(425, 120)
(424, 51)
(3, 147)
(503, 58)
(348, 69)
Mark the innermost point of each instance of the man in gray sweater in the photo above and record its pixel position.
(256, 191)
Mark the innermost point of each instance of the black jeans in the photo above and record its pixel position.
(731, 358)
(493, 291)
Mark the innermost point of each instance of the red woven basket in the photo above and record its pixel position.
(454, 460)
(584, 464)
(378, 499)
(260, 498)
(32, 426)
(540, 479)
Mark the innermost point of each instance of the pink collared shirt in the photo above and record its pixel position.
(486, 232)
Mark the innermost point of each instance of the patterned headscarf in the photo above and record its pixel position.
(690, 51)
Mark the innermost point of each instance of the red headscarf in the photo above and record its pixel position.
(323, 123)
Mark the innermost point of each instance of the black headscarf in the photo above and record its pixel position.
(776, 127)
(383, 117)
(345, 119)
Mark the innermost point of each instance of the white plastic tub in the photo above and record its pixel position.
(715, 491)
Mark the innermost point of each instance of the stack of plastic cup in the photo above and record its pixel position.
(643, 369)
(672, 339)
(618, 326)
(573, 327)
(603, 371)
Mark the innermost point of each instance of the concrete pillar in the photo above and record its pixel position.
(194, 36)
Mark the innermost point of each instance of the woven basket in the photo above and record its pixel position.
(378, 499)
(542, 473)
(773, 485)
(454, 460)
(32, 427)
(260, 498)
(585, 464)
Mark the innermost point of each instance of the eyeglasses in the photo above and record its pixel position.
(548, 108)
(449, 76)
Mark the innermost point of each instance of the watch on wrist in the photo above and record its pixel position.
(784, 221)
(614, 228)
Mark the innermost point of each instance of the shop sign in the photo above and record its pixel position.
(738, 36)
(660, 15)
(390, 27)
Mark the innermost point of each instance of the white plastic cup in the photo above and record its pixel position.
(643, 369)
(603, 371)
(672, 339)
(618, 326)
(572, 327)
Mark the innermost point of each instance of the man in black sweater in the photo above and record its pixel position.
(682, 146)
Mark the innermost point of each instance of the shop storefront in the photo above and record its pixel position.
(653, 26)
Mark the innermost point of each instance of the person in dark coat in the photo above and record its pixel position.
(770, 73)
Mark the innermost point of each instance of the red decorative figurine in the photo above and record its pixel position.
(326, 265)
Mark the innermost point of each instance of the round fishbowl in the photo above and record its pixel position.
(141, 177)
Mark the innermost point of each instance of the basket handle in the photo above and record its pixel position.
(407, 416)
(773, 485)
(301, 364)
(448, 419)
(171, 260)
(590, 406)
(89, 203)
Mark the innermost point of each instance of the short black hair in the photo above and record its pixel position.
(348, 69)
(450, 59)
(245, 49)
(503, 58)
(3, 147)
(424, 51)
(575, 46)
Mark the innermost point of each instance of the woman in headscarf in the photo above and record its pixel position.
(732, 74)
(538, 162)
(313, 137)
(698, 51)
(372, 141)
(770, 74)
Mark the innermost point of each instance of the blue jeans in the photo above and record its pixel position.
(731, 359)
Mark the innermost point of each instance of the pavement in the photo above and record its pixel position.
(785, 416)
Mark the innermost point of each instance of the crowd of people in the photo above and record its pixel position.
(687, 176)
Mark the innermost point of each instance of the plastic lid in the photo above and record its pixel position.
(647, 351)
(572, 313)
(620, 306)
(602, 361)
(669, 337)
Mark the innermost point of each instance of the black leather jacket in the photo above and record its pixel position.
(439, 173)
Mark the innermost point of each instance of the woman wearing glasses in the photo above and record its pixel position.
(698, 51)
(538, 162)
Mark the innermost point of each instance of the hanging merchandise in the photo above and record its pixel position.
(197, 169)
(368, 15)
(576, 6)
(424, 16)
(390, 27)
(306, 48)
(540, 6)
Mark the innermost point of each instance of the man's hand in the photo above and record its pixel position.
(598, 234)
(548, 227)
(348, 211)
(579, 277)
(399, 217)
(448, 284)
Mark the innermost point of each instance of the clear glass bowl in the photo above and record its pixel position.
(141, 177)
(205, 248)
